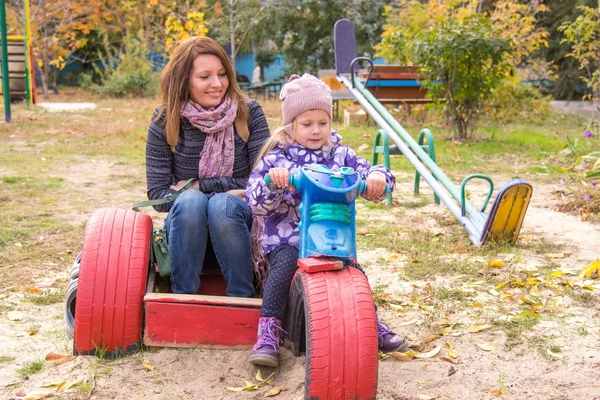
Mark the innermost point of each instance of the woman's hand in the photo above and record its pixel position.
(281, 178)
(179, 185)
(241, 193)
(375, 185)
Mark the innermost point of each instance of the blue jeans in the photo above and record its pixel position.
(227, 220)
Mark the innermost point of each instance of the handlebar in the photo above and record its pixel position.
(295, 178)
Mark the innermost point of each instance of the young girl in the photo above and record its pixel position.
(305, 138)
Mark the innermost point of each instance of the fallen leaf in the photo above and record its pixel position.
(394, 257)
(249, 387)
(590, 269)
(478, 305)
(35, 290)
(24, 333)
(38, 395)
(148, 366)
(497, 392)
(401, 356)
(52, 384)
(363, 146)
(275, 391)
(486, 346)
(15, 316)
(554, 274)
(448, 359)
(496, 264)
(555, 255)
(58, 359)
(430, 353)
(396, 307)
(478, 328)
(555, 355)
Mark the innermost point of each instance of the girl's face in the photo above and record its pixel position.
(312, 129)
(208, 81)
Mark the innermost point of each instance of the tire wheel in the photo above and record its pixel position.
(70, 307)
(112, 282)
(332, 317)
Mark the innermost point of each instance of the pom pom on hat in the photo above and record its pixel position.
(302, 94)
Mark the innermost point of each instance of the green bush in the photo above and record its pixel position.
(126, 73)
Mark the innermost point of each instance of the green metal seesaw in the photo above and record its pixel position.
(503, 221)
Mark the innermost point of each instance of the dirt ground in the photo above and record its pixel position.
(556, 358)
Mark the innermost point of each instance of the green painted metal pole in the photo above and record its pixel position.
(414, 146)
(5, 78)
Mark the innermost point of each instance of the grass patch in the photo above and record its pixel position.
(6, 359)
(30, 368)
(51, 296)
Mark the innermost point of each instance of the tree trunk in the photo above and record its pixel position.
(45, 70)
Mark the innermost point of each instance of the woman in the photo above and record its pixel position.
(205, 129)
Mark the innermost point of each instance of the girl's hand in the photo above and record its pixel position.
(281, 177)
(375, 185)
(181, 184)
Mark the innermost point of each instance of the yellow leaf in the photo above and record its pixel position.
(529, 314)
(275, 391)
(478, 328)
(396, 307)
(401, 356)
(535, 291)
(449, 359)
(496, 264)
(430, 353)
(554, 274)
(555, 255)
(486, 346)
(500, 285)
(478, 305)
(148, 366)
(61, 386)
(590, 269)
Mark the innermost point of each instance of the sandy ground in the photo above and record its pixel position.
(524, 371)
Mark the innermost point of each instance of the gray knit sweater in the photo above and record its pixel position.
(165, 168)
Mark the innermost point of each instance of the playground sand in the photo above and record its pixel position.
(556, 358)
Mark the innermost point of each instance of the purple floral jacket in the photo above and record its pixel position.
(279, 206)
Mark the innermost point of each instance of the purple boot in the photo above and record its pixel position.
(266, 348)
(389, 341)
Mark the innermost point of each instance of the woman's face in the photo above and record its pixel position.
(312, 129)
(208, 81)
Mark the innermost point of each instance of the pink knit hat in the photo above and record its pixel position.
(301, 94)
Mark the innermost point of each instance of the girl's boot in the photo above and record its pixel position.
(389, 341)
(266, 348)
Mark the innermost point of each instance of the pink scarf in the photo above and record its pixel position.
(218, 153)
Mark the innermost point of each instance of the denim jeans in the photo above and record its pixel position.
(227, 220)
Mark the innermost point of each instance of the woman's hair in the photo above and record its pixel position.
(175, 78)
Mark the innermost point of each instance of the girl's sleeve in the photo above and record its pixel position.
(159, 162)
(263, 199)
(364, 168)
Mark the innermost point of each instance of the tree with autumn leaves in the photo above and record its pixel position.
(80, 30)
